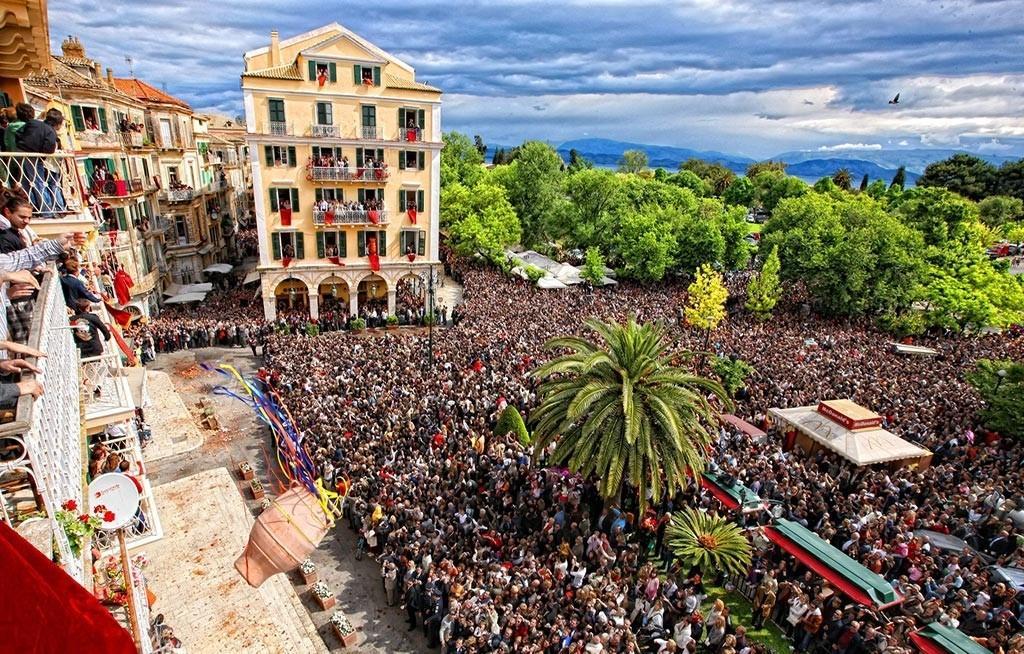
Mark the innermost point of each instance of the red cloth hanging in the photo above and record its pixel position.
(123, 283)
(120, 316)
(321, 78)
(329, 217)
(412, 257)
(410, 134)
(411, 212)
(112, 237)
(286, 216)
(371, 253)
(51, 609)
(286, 261)
(126, 349)
(336, 261)
(378, 173)
(374, 216)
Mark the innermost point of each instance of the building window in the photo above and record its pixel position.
(366, 75)
(276, 110)
(323, 114)
(413, 241)
(279, 155)
(181, 229)
(411, 160)
(328, 195)
(323, 72)
(165, 132)
(331, 244)
(369, 115)
(287, 245)
(410, 200)
(284, 198)
(89, 119)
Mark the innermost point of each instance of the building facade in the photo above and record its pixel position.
(344, 146)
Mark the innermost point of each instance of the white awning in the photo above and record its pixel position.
(204, 287)
(172, 289)
(185, 298)
(253, 276)
(222, 268)
(901, 348)
(206, 249)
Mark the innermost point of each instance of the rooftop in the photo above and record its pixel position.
(143, 91)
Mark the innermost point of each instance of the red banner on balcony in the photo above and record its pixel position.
(286, 261)
(120, 316)
(411, 212)
(286, 216)
(410, 135)
(411, 256)
(378, 173)
(112, 237)
(123, 283)
(336, 261)
(374, 217)
(371, 253)
(321, 78)
(329, 218)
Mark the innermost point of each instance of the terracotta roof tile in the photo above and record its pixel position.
(143, 91)
(392, 82)
(289, 71)
(62, 75)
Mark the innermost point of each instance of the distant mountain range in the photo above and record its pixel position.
(809, 165)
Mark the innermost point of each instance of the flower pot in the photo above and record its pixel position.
(325, 604)
(257, 492)
(308, 579)
(348, 640)
(247, 473)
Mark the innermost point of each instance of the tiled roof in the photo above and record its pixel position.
(289, 71)
(75, 61)
(62, 75)
(143, 91)
(392, 82)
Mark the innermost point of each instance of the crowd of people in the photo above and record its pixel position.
(340, 207)
(370, 168)
(487, 551)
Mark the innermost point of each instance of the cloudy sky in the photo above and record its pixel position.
(746, 77)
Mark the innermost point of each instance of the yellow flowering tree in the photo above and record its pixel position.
(705, 302)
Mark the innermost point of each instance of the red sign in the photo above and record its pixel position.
(847, 421)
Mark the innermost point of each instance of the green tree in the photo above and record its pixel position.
(533, 182)
(843, 179)
(697, 236)
(511, 422)
(939, 215)
(644, 242)
(964, 174)
(480, 146)
(689, 179)
(498, 157)
(877, 189)
(758, 167)
(592, 195)
(593, 267)
(578, 162)
(705, 302)
(764, 289)
(715, 175)
(618, 411)
(1001, 386)
(708, 542)
(773, 186)
(460, 161)
(1010, 179)
(997, 210)
(732, 372)
(661, 174)
(899, 180)
(479, 220)
(741, 192)
(633, 161)
(864, 183)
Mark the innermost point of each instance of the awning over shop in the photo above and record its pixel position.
(253, 276)
(937, 638)
(730, 493)
(206, 249)
(222, 268)
(181, 289)
(185, 298)
(850, 577)
(742, 425)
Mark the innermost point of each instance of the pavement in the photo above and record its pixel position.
(207, 516)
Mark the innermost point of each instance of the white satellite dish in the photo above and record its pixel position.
(114, 493)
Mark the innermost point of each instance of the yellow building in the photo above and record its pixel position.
(322, 110)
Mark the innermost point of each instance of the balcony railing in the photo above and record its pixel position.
(349, 174)
(278, 128)
(347, 217)
(325, 131)
(180, 195)
(410, 134)
(131, 139)
(97, 139)
(113, 188)
(51, 182)
(368, 132)
(104, 390)
(116, 244)
(44, 440)
(146, 527)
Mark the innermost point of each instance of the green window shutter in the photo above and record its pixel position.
(300, 245)
(420, 119)
(401, 160)
(337, 153)
(421, 243)
(401, 200)
(273, 199)
(103, 119)
(122, 221)
(401, 119)
(380, 154)
(112, 167)
(419, 200)
(295, 200)
(291, 156)
(332, 70)
(362, 195)
(76, 117)
(275, 242)
(359, 157)
(376, 75)
(382, 243)
(357, 74)
(319, 193)
(421, 159)
(312, 71)
(342, 244)
(319, 245)
(361, 243)
(268, 152)
(89, 168)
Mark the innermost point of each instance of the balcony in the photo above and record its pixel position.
(325, 131)
(131, 139)
(51, 182)
(118, 243)
(278, 128)
(116, 188)
(104, 390)
(349, 218)
(410, 135)
(369, 133)
(343, 174)
(43, 464)
(91, 138)
(180, 195)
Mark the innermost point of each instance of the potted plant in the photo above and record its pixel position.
(323, 595)
(358, 324)
(246, 471)
(79, 527)
(392, 322)
(257, 489)
(308, 570)
(264, 504)
(343, 629)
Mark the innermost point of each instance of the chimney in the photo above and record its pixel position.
(275, 49)
(97, 72)
(110, 77)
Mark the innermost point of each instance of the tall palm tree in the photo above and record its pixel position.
(711, 543)
(620, 411)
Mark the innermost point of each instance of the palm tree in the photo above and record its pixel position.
(711, 543)
(620, 411)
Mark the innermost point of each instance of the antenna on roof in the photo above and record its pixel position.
(163, 86)
(131, 69)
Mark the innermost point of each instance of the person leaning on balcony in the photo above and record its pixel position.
(88, 339)
(11, 390)
(33, 136)
(15, 213)
(73, 286)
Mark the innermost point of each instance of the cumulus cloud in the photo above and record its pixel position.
(850, 146)
(735, 75)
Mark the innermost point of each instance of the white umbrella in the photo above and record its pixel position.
(204, 287)
(253, 276)
(185, 298)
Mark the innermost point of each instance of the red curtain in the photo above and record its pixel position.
(45, 610)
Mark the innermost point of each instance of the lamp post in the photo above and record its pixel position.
(1001, 373)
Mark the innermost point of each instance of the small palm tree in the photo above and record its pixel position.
(711, 543)
(620, 411)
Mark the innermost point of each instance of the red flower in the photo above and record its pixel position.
(100, 508)
(70, 505)
(108, 516)
(83, 518)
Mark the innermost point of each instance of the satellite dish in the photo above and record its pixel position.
(115, 494)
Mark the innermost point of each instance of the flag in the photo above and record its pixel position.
(336, 261)
(120, 316)
(374, 216)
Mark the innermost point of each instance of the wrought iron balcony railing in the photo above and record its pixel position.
(348, 174)
(347, 217)
(180, 195)
(51, 182)
(324, 131)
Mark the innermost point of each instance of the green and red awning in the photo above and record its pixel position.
(937, 638)
(850, 577)
(730, 493)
